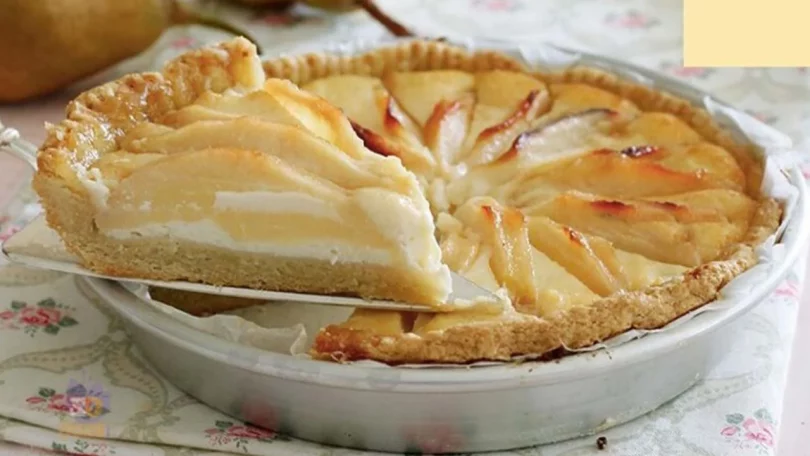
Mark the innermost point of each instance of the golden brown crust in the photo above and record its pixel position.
(97, 119)
(103, 115)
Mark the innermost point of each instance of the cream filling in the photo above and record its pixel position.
(275, 202)
(403, 221)
(209, 233)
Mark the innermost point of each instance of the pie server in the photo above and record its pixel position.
(38, 246)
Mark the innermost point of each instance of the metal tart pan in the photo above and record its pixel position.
(442, 410)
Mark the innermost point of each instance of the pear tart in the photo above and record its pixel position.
(211, 172)
(596, 205)
(590, 204)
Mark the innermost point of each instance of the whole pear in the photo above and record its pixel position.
(47, 44)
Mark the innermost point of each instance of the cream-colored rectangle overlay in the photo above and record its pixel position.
(746, 33)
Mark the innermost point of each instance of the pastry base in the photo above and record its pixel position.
(171, 259)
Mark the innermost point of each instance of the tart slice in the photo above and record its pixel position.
(208, 172)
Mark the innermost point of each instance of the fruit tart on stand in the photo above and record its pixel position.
(591, 205)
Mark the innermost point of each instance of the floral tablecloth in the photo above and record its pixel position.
(72, 382)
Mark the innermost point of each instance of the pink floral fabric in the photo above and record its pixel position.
(46, 316)
(750, 432)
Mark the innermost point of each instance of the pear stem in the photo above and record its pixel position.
(387, 21)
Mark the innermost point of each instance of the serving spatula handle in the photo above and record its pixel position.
(12, 143)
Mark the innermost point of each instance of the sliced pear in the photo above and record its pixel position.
(445, 130)
(558, 289)
(377, 118)
(115, 166)
(196, 113)
(139, 131)
(714, 162)
(661, 230)
(551, 140)
(662, 129)
(511, 260)
(193, 186)
(317, 116)
(215, 106)
(505, 231)
(419, 92)
(506, 103)
(610, 174)
(291, 144)
(641, 272)
(572, 98)
(573, 251)
(459, 252)
(736, 207)
(561, 137)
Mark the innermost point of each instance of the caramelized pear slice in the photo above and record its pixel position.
(506, 104)
(445, 130)
(553, 139)
(419, 92)
(661, 230)
(661, 129)
(505, 230)
(561, 137)
(573, 98)
(291, 144)
(316, 115)
(614, 174)
(376, 118)
(734, 206)
(598, 268)
(511, 257)
(713, 162)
